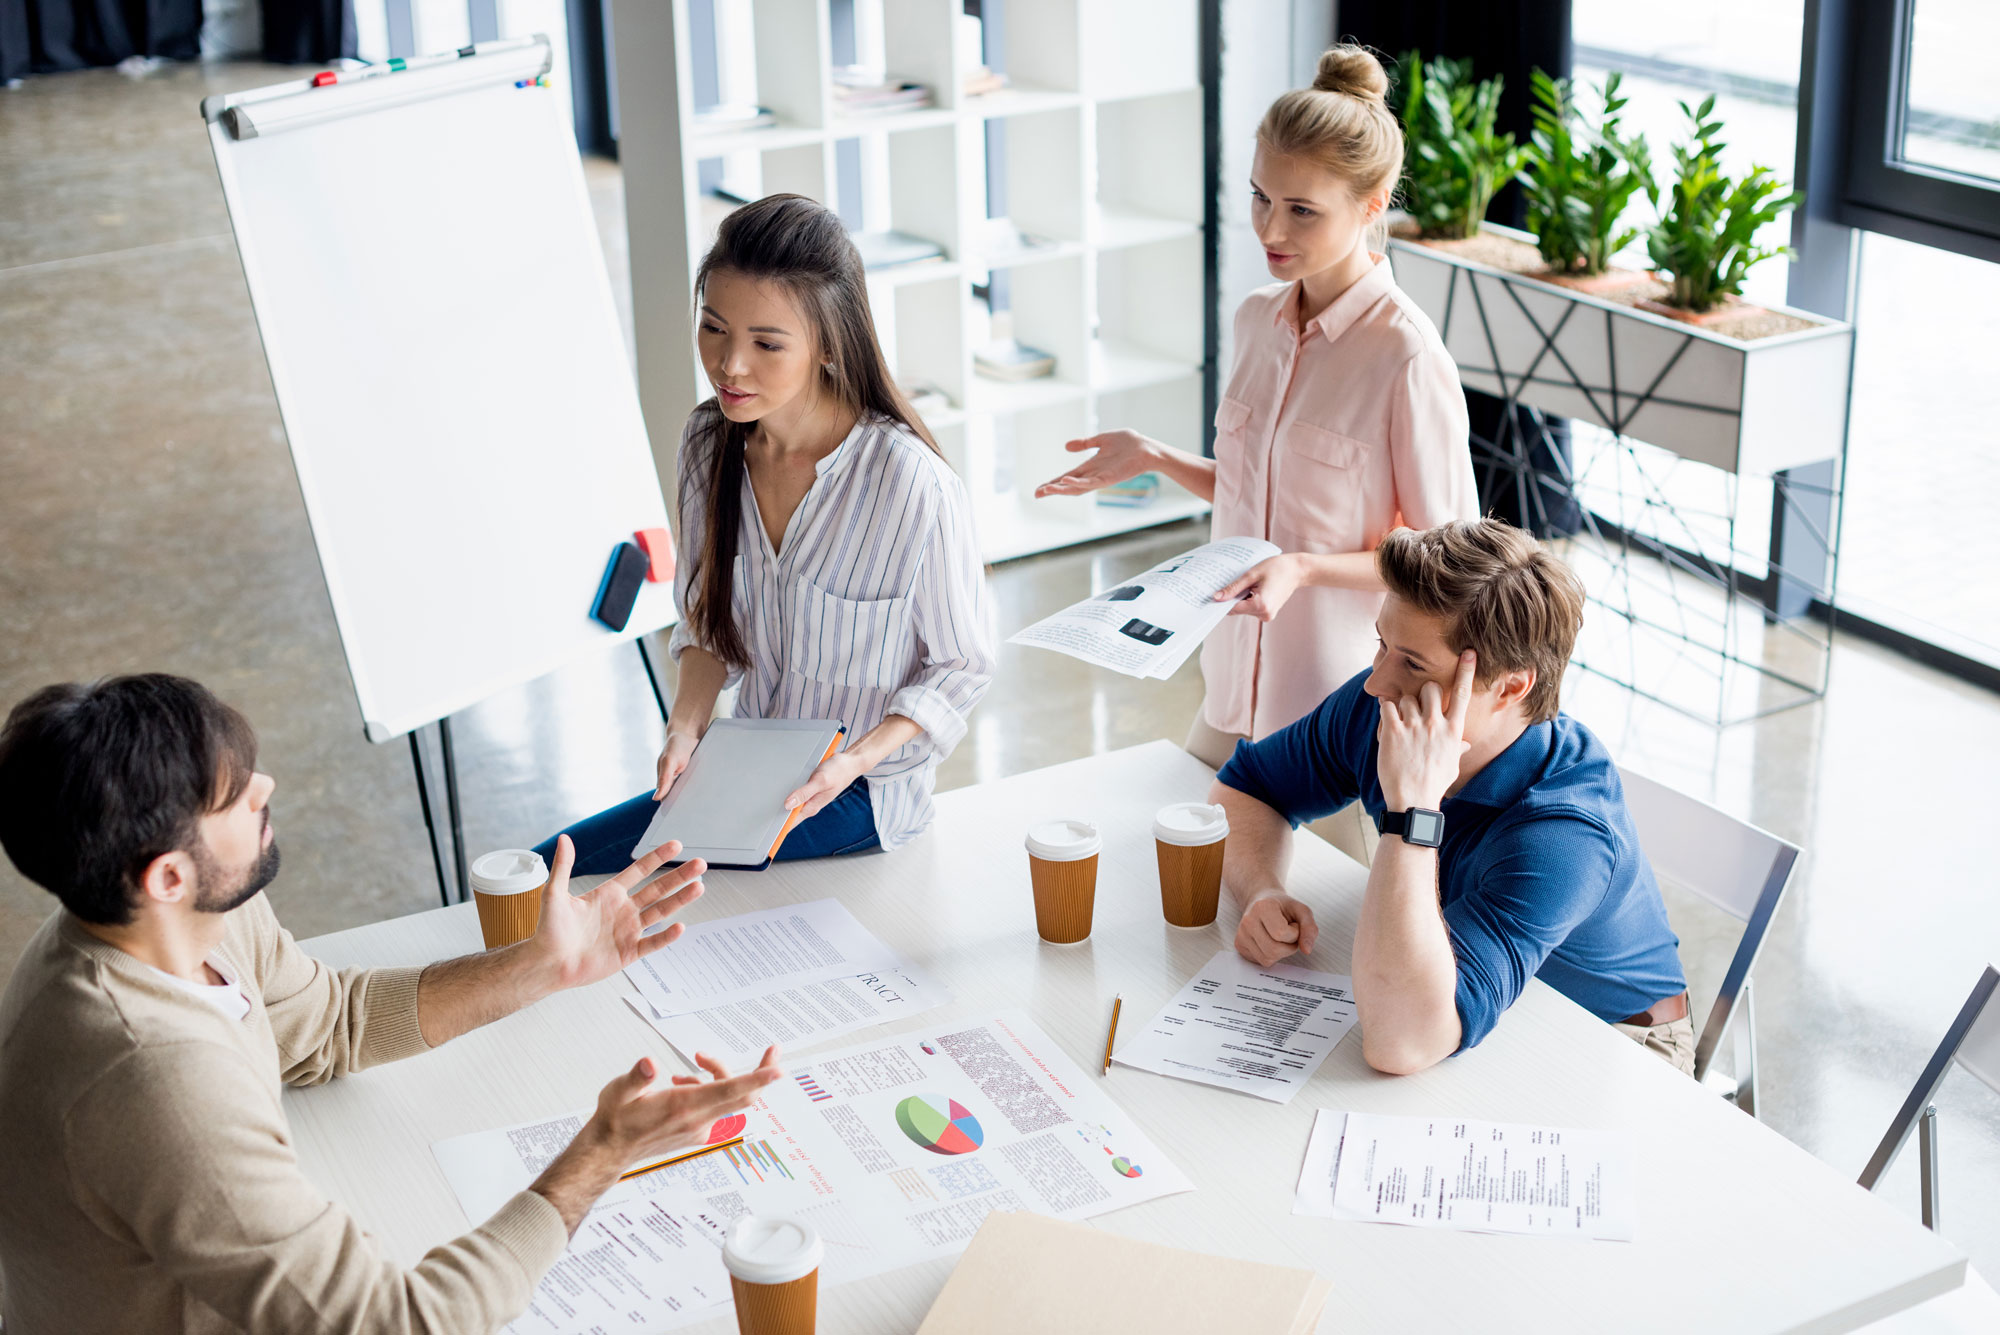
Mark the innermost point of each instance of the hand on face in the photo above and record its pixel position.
(584, 938)
(1421, 740)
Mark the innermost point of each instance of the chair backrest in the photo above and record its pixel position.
(1733, 865)
(1973, 1041)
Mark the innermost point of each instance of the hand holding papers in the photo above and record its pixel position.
(1484, 1177)
(1149, 626)
(1263, 1031)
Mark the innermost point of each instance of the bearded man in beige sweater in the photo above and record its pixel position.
(148, 1180)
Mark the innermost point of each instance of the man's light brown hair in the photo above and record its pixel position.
(1499, 594)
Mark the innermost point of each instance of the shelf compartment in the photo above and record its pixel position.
(1117, 228)
(1149, 310)
(1146, 168)
(1117, 366)
(1136, 47)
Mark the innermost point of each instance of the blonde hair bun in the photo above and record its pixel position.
(1352, 70)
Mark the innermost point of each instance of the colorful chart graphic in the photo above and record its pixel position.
(928, 1049)
(1126, 1166)
(756, 1160)
(726, 1128)
(939, 1124)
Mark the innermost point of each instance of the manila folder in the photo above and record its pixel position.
(1026, 1272)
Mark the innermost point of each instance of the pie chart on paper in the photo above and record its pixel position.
(939, 1124)
(726, 1128)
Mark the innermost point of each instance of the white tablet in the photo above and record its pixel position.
(728, 806)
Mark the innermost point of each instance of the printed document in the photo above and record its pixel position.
(896, 1151)
(1149, 625)
(1454, 1172)
(753, 954)
(797, 1017)
(1263, 1031)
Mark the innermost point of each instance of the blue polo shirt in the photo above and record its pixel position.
(1540, 868)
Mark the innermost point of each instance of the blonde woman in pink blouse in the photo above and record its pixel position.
(1343, 418)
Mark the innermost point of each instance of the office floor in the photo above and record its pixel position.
(149, 520)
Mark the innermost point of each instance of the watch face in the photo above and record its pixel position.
(1426, 827)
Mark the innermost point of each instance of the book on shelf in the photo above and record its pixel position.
(999, 240)
(1011, 359)
(895, 250)
(727, 116)
(1132, 493)
(860, 91)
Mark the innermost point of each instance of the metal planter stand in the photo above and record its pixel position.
(1688, 627)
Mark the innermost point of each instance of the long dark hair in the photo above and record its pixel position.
(801, 245)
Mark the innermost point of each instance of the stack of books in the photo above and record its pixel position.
(1132, 493)
(726, 116)
(1010, 359)
(860, 91)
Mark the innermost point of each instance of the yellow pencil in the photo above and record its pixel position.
(681, 1158)
(1109, 1038)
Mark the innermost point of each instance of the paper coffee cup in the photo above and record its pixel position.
(507, 887)
(1062, 863)
(1189, 838)
(773, 1266)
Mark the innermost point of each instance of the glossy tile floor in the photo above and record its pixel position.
(149, 520)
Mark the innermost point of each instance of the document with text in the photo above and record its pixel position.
(797, 1017)
(1152, 623)
(1263, 1031)
(894, 1150)
(1454, 1172)
(751, 955)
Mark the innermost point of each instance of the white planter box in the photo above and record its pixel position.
(1744, 407)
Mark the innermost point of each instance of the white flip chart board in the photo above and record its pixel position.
(440, 331)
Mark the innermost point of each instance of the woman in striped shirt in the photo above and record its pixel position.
(828, 567)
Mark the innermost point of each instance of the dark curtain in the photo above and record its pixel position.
(47, 36)
(308, 32)
(1507, 38)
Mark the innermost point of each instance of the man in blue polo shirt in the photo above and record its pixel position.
(1507, 852)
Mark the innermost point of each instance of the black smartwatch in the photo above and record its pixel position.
(1419, 825)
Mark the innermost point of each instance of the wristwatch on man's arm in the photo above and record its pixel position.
(1419, 826)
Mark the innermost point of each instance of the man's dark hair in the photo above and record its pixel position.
(98, 780)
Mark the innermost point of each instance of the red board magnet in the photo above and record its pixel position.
(658, 545)
(325, 77)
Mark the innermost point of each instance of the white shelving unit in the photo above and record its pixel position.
(1103, 145)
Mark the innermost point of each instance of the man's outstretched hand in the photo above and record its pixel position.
(587, 937)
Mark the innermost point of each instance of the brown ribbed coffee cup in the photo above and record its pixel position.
(1189, 838)
(1062, 866)
(507, 889)
(773, 1269)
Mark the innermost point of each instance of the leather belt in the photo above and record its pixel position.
(1661, 1012)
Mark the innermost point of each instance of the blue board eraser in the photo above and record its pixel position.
(620, 586)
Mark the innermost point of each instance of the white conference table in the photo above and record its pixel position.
(1738, 1229)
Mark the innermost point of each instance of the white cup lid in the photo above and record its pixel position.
(1065, 840)
(510, 871)
(766, 1249)
(1191, 824)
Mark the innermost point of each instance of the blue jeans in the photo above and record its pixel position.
(604, 842)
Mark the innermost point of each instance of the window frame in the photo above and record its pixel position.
(1880, 191)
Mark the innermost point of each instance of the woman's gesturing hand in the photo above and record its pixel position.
(1121, 455)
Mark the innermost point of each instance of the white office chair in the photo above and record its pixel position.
(1740, 869)
(1973, 1041)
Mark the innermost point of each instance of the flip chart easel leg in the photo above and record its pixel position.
(451, 807)
(430, 826)
(652, 678)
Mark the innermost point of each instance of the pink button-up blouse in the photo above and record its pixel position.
(1327, 438)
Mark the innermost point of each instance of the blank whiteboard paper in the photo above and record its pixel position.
(432, 297)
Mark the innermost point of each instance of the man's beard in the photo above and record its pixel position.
(215, 894)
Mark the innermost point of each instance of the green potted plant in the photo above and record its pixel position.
(1705, 241)
(1453, 160)
(1578, 177)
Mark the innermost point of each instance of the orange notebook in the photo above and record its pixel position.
(728, 806)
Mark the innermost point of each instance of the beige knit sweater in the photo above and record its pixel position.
(147, 1177)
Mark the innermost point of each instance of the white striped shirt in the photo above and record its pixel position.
(876, 603)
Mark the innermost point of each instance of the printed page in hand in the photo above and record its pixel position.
(896, 1151)
(1149, 625)
(1483, 1177)
(753, 954)
(1261, 1031)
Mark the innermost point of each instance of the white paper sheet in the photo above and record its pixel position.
(1482, 1177)
(1150, 624)
(641, 1260)
(895, 1150)
(797, 1017)
(754, 954)
(1261, 1031)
